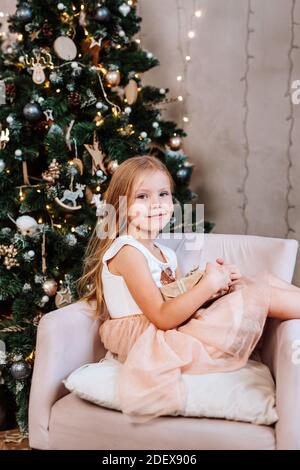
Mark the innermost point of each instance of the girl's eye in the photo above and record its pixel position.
(165, 193)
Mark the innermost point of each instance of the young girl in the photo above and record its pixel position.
(155, 340)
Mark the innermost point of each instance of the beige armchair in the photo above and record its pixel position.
(68, 338)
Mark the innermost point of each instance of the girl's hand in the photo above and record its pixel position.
(235, 272)
(219, 276)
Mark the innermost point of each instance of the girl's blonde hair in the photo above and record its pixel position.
(89, 285)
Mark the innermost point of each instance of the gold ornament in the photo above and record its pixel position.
(9, 253)
(113, 78)
(50, 287)
(63, 297)
(53, 172)
(175, 142)
(112, 166)
(131, 92)
(97, 155)
(38, 64)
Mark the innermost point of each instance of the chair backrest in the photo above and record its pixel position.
(250, 252)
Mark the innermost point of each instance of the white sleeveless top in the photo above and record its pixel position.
(118, 299)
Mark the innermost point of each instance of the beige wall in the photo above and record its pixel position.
(240, 138)
(245, 151)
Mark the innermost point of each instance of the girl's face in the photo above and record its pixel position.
(152, 205)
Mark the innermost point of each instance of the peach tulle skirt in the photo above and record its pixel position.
(218, 338)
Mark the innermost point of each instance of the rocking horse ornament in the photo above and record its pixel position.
(71, 195)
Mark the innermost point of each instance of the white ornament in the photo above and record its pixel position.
(2, 165)
(26, 287)
(49, 114)
(143, 135)
(45, 299)
(124, 9)
(21, 59)
(99, 173)
(127, 110)
(9, 119)
(27, 225)
(65, 48)
(41, 100)
(61, 6)
(99, 105)
(155, 124)
(149, 55)
(74, 65)
(18, 152)
(121, 33)
(31, 253)
(162, 91)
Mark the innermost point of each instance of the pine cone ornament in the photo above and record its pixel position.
(74, 99)
(10, 92)
(47, 30)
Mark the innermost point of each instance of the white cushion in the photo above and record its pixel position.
(247, 394)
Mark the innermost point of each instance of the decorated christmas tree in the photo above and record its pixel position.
(73, 108)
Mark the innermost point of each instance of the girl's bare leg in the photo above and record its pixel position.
(285, 304)
(277, 282)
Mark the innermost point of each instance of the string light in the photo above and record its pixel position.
(185, 51)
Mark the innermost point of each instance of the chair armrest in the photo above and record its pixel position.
(281, 353)
(67, 338)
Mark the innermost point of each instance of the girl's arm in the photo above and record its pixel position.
(165, 315)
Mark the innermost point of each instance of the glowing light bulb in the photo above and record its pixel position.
(180, 98)
(198, 13)
(188, 58)
(191, 34)
(186, 119)
(179, 78)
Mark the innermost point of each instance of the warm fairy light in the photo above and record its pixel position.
(98, 188)
(179, 78)
(130, 3)
(137, 75)
(40, 221)
(38, 190)
(48, 207)
(71, 162)
(72, 229)
(186, 119)
(198, 13)
(180, 98)
(60, 281)
(81, 7)
(187, 58)
(191, 34)
(138, 41)
(58, 90)
(20, 37)
(7, 171)
(21, 195)
(73, 8)
(118, 46)
(47, 84)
